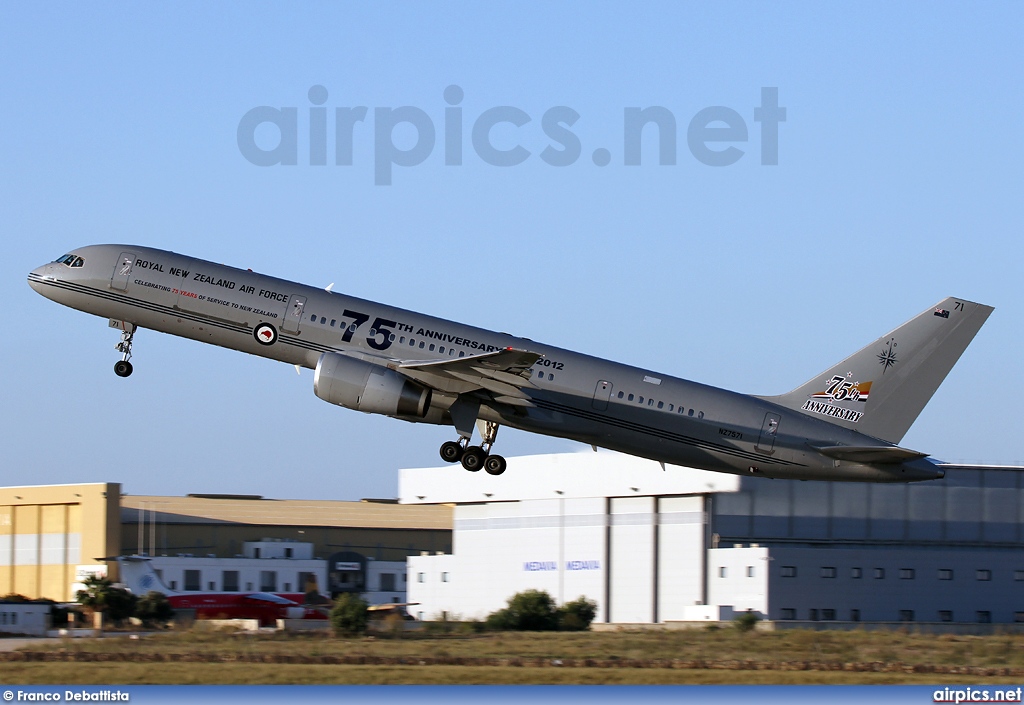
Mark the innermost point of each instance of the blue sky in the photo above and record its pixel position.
(899, 182)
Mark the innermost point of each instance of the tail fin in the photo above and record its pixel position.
(881, 389)
(138, 575)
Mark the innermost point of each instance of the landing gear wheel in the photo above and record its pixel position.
(451, 452)
(473, 458)
(495, 465)
(122, 368)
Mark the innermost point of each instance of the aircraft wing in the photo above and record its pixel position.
(504, 373)
(870, 454)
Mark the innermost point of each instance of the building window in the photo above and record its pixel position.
(387, 582)
(750, 571)
(828, 571)
(906, 615)
(945, 615)
(879, 573)
(828, 615)
(788, 571)
(1018, 616)
(854, 615)
(855, 573)
(211, 586)
(787, 613)
(229, 580)
(721, 571)
(193, 581)
(1018, 575)
(945, 574)
(983, 574)
(812, 615)
(444, 577)
(287, 587)
(288, 552)
(268, 581)
(984, 617)
(420, 578)
(906, 573)
(174, 585)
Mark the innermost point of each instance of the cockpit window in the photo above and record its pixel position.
(71, 261)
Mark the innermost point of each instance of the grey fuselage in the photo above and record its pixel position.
(575, 396)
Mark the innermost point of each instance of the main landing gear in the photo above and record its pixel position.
(123, 368)
(475, 457)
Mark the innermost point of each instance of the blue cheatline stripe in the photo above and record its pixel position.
(500, 695)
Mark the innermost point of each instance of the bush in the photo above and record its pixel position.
(349, 615)
(534, 610)
(154, 609)
(577, 615)
(746, 621)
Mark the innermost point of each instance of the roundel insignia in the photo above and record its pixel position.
(265, 334)
(146, 581)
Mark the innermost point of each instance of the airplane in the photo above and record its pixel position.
(844, 424)
(138, 575)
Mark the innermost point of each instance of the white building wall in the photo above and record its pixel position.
(632, 551)
(211, 572)
(376, 571)
(434, 595)
(738, 577)
(680, 555)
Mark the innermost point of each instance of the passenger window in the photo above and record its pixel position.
(333, 321)
(451, 352)
(431, 347)
(401, 341)
(391, 337)
(629, 398)
(312, 317)
(461, 353)
(671, 407)
(650, 402)
(641, 400)
(700, 414)
(441, 350)
(421, 345)
(621, 394)
(661, 405)
(540, 374)
(412, 342)
(550, 376)
(690, 412)
(323, 320)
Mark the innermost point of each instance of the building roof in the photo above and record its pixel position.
(285, 512)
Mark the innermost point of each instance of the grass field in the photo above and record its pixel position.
(647, 657)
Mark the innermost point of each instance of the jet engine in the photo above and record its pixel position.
(363, 386)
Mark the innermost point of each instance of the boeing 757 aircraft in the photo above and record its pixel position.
(843, 424)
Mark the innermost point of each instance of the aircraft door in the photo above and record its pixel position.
(769, 430)
(122, 270)
(293, 314)
(602, 394)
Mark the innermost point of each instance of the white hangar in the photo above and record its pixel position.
(654, 545)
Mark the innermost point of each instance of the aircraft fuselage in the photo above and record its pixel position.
(571, 395)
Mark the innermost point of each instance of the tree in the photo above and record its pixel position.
(154, 609)
(747, 621)
(349, 615)
(100, 595)
(577, 615)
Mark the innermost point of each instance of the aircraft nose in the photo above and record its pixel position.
(39, 275)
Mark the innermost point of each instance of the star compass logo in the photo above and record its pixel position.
(887, 358)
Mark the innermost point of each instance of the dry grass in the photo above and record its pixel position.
(624, 657)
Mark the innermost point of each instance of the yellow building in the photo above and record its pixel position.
(52, 535)
(48, 531)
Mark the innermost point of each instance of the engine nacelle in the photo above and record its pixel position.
(363, 386)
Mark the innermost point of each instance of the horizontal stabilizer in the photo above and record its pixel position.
(870, 454)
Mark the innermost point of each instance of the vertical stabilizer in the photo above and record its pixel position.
(138, 575)
(881, 389)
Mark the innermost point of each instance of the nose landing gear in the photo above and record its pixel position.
(475, 457)
(123, 368)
